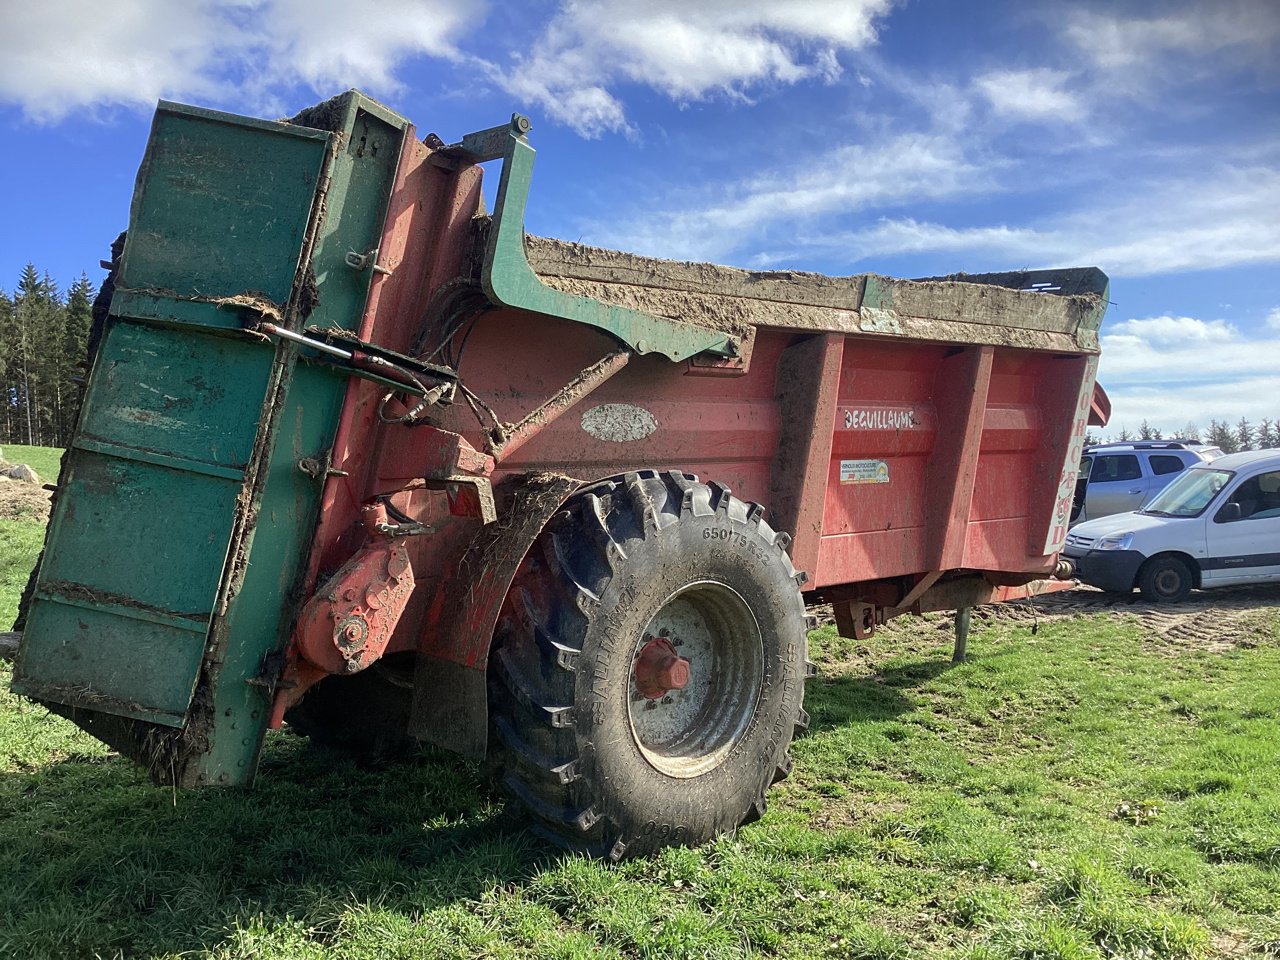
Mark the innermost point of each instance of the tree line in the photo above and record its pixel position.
(1230, 439)
(43, 334)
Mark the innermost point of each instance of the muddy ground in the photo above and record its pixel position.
(1212, 620)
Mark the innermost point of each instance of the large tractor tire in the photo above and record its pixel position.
(648, 669)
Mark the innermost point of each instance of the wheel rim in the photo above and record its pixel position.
(690, 729)
(1168, 582)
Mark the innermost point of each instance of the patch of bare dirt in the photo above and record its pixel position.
(1213, 620)
(23, 501)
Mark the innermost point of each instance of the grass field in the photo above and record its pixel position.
(1079, 792)
(43, 460)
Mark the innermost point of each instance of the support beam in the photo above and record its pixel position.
(960, 403)
(807, 388)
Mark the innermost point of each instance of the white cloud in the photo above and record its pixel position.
(686, 50)
(62, 54)
(1273, 318)
(1243, 28)
(57, 56)
(846, 180)
(1229, 216)
(1170, 370)
(329, 43)
(1031, 94)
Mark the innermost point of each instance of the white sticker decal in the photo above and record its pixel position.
(619, 422)
(864, 471)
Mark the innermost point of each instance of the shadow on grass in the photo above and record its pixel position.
(845, 699)
(97, 861)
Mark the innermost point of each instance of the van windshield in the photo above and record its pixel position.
(1188, 495)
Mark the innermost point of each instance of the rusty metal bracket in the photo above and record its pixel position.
(854, 619)
(468, 496)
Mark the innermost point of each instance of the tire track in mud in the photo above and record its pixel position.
(1214, 620)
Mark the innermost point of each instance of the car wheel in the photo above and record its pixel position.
(1165, 580)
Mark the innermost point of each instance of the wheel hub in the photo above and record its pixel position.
(696, 677)
(659, 669)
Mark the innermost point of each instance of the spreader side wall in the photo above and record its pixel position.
(924, 456)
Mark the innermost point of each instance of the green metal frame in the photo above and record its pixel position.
(185, 513)
(508, 279)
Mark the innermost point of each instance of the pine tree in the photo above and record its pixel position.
(1189, 431)
(1222, 436)
(1124, 435)
(1146, 431)
(34, 391)
(1244, 434)
(1267, 435)
(78, 317)
(8, 350)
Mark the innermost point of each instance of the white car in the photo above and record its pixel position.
(1216, 525)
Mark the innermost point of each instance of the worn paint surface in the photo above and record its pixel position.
(186, 468)
(961, 397)
(619, 422)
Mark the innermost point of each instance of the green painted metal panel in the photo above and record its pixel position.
(508, 279)
(165, 391)
(186, 467)
(156, 483)
(222, 205)
(113, 661)
(153, 534)
(256, 625)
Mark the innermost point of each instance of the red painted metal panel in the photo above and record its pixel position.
(885, 458)
(807, 389)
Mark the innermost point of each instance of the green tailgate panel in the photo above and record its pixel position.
(148, 498)
(182, 518)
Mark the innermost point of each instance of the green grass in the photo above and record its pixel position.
(43, 460)
(1080, 793)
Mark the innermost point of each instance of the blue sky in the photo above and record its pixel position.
(910, 138)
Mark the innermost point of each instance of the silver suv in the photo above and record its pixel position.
(1118, 477)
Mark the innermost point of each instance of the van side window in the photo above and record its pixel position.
(1116, 466)
(1162, 463)
(1259, 497)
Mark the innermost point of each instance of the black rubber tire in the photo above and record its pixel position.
(364, 716)
(1165, 580)
(562, 699)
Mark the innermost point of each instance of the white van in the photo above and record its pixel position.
(1216, 525)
